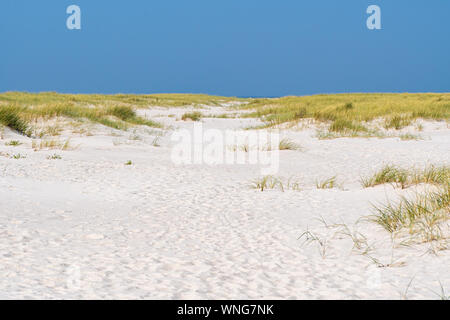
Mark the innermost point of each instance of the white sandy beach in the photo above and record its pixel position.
(89, 226)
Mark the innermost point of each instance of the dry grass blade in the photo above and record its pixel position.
(329, 183)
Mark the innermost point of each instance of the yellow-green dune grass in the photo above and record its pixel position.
(18, 109)
(345, 113)
(349, 112)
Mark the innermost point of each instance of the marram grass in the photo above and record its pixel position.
(141, 100)
(194, 116)
(437, 175)
(19, 109)
(19, 117)
(348, 112)
(422, 215)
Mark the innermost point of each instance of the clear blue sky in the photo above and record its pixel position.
(225, 47)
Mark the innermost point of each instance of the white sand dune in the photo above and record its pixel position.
(88, 226)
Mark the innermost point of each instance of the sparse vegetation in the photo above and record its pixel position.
(442, 294)
(267, 182)
(347, 112)
(155, 141)
(409, 136)
(329, 183)
(293, 185)
(128, 163)
(124, 113)
(18, 156)
(404, 178)
(245, 147)
(53, 131)
(397, 122)
(18, 110)
(54, 157)
(46, 144)
(135, 137)
(270, 183)
(388, 174)
(287, 144)
(311, 237)
(13, 143)
(194, 116)
(284, 144)
(369, 133)
(131, 100)
(10, 117)
(439, 175)
(422, 215)
(344, 125)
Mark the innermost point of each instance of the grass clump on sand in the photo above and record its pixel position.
(422, 216)
(434, 174)
(194, 116)
(347, 112)
(132, 100)
(54, 157)
(347, 128)
(283, 144)
(19, 109)
(343, 125)
(329, 183)
(118, 117)
(397, 122)
(10, 117)
(13, 143)
(51, 144)
(270, 183)
(409, 136)
(287, 144)
(124, 113)
(387, 174)
(18, 156)
(267, 182)
(404, 178)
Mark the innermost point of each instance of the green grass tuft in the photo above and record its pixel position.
(287, 144)
(270, 183)
(329, 183)
(194, 116)
(404, 178)
(54, 157)
(124, 113)
(13, 143)
(10, 117)
(117, 117)
(421, 215)
(344, 125)
(397, 122)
